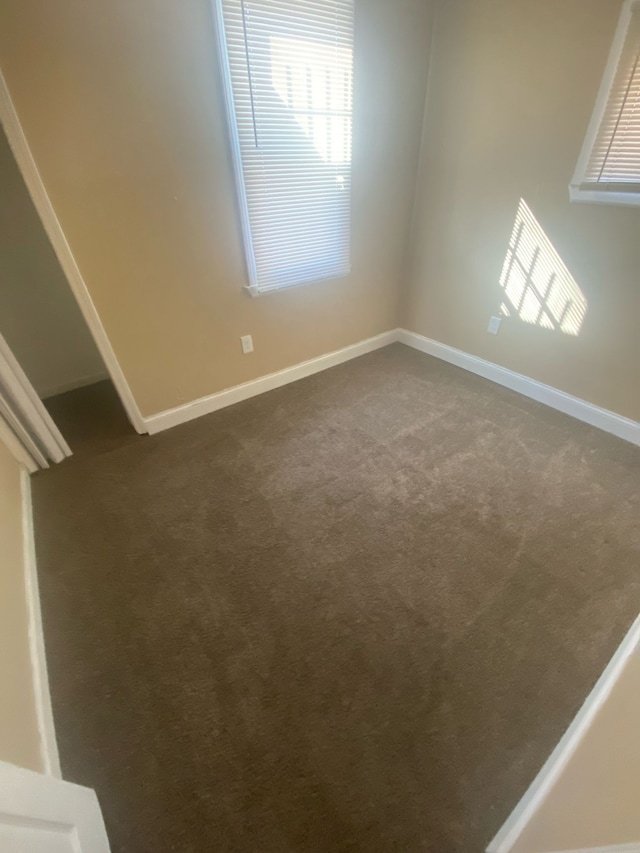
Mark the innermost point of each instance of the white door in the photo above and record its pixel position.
(41, 814)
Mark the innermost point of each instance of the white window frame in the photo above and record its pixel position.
(252, 286)
(232, 135)
(577, 190)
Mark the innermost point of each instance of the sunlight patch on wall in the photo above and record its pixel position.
(538, 287)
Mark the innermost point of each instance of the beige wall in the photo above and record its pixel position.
(121, 104)
(39, 317)
(594, 803)
(511, 91)
(19, 738)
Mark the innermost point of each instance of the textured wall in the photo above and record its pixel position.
(121, 104)
(39, 317)
(511, 92)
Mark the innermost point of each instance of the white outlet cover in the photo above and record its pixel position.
(494, 325)
(247, 344)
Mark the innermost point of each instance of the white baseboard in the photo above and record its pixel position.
(206, 405)
(634, 847)
(575, 407)
(44, 711)
(73, 385)
(595, 416)
(559, 758)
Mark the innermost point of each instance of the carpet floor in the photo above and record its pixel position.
(353, 614)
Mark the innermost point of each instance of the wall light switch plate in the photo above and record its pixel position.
(494, 325)
(247, 344)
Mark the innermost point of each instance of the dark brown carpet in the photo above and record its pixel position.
(354, 614)
(91, 419)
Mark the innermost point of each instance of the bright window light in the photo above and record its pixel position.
(288, 70)
(609, 166)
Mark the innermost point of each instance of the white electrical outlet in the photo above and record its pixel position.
(247, 344)
(494, 325)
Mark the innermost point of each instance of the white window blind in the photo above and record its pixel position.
(288, 67)
(610, 162)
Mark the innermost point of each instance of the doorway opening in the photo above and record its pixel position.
(44, 329)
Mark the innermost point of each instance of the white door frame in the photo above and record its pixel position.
(25, 413)
(16, 448)
(37, 190)
(23, 416)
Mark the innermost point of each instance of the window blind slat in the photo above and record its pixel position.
(289, 72)
(615, 156)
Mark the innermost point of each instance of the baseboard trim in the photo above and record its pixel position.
(593, 415)
(41, 692)
(575, 407)
(213, 402)
(634, 847)
(559, 758)
(73, 385)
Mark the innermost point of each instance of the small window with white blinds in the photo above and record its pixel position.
(609, 166)
(288, 72)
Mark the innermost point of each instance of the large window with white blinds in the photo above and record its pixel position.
(288, 71)
(609, 165)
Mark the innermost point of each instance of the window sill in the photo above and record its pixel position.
(625, 199)
(255, 291)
